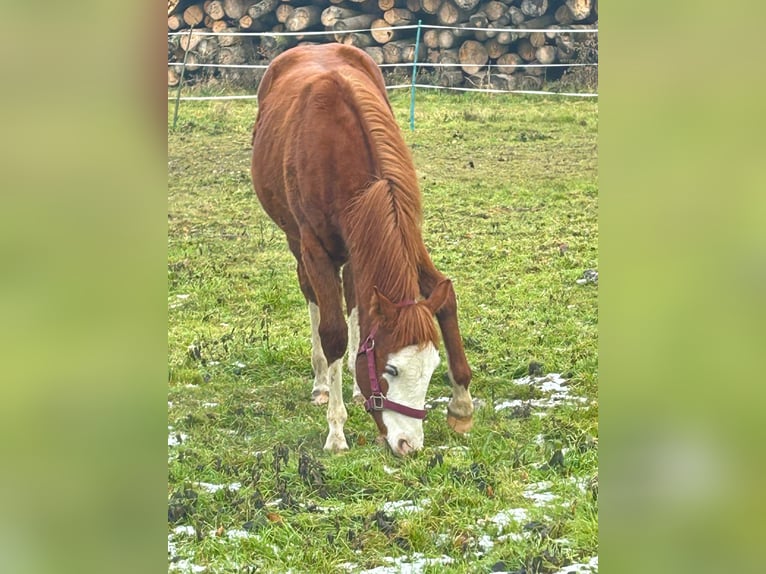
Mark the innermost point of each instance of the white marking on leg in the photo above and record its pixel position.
(414, 368)
(353, 347)
(461, 403)
(320, 391)
(336, 410)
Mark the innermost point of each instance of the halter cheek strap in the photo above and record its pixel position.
(377, 401)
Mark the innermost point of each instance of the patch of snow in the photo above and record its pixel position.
(538, 492)
(185, 529)
(414, 564)
(213, 488)
(209, 405)
(389, 470)
(401, 506)
(553, 384)
(505, 517)
(232, 534)
(182, 296)
(186, 566)
(239, 364)
(590, 567)
(177, 438)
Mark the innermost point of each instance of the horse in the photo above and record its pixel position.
(330, 167)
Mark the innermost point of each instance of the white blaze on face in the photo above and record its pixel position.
(414, 368)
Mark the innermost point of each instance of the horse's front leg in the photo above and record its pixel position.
(353, 327)
(460, 407)
(330, 327)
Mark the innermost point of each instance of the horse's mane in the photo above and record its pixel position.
(384, 220)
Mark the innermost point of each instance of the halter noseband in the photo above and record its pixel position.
(377, 400)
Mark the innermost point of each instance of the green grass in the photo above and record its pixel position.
(510, 192)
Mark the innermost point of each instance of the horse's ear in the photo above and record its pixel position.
(439, 296)
(381, 307)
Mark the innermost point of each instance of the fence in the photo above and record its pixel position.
(487, 69)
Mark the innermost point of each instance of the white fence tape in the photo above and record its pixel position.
(403, 64)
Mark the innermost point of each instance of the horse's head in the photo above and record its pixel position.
(395, 364)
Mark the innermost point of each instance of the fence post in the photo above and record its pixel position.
(414, 72)
(181, 81)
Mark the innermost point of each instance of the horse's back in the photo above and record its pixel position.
(310, 151)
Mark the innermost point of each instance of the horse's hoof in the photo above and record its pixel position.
(459, 424)
(320, 397)
(336, 444)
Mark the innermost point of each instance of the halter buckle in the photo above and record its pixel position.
(375, 402)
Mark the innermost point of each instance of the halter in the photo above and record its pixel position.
(377, 400)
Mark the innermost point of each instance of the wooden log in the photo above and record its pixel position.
(450, 78)
(235, 9)
(507, 37)
(392, 52)
(358, 22)
(565, 48)
(563, 15)
(537, 39)
(502, 82)
(535, 69)
(189, 42)
(194, 15)
(176, 22)
(272, 46)
(413, 6)
(430, 6)
(538, 23)
(208, 21)
(509, 62)
(534, 8)
(551, 33)
(261, 8)
(219, 26)
(546, 54)
(525, 49)
(449, 14)
(376, 53)
(398, 16)
(431, 38)
(193, 62)
(467, 5)
(303, 18)
(380, 35)
(283, 12)
(516, 15)
(214, 9)
(494, 10)
(402, 51)
(494, 26)
(358, 39)
(247, 22)
(580, 9)
(495, 49)
(207, 49)
(528, 82)
(447, 39)
(231, 39)
(384, 5)
(174, 76)
(478, 19)
(473, 56)
(332, 14)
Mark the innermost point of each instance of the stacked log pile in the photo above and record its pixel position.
(456, 56)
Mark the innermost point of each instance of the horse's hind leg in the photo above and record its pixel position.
(324, 277)
(460, 407)
(353, 327)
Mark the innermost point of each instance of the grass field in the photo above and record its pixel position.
(510, 195)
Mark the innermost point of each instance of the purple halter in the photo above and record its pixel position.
(377, 400)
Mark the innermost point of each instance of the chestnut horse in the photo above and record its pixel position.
(330, 167)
